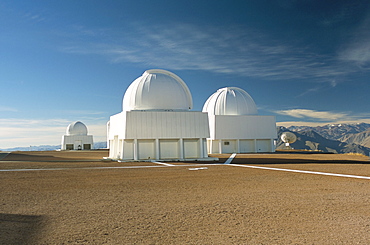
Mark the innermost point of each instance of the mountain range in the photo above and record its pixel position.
(335, 138)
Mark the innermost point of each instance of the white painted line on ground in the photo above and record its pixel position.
(165, 164)
(303, 171)
(228, 161)
(198, 168)
(189, 165)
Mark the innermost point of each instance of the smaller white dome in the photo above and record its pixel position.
(76, 128)
(230, 101)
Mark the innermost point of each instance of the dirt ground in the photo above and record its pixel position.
(69, 198)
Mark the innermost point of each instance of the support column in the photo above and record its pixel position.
(200, 148)
(136, 157)
(121, 145)
(255, 145)
(220, 146)
(156, 149)
(115, 147)
(111, 150)
(205, 149)
(237, 146)
(181, 145)
(272, 145)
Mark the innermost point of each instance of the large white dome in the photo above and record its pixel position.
(157, 90)
(230, 101)
(76, 128)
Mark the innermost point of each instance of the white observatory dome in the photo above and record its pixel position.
(76, 128)
(230, 101)
(157, 90)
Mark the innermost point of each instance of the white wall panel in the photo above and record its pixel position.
(169, 149)
(243, 127)
(263, 145)
(128, 149)
(117, 125)
(246, 146)
(146, 149)
(215, 144)
(191, 148)
(77, 140)
(229, 146)
(159, 124)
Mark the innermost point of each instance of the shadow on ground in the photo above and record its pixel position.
(30, 157)
(20, 229)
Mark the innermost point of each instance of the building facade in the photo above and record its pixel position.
(156, 122)
(235, 126)
(76, 137)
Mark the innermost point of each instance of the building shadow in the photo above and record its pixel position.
(20, 229)
(31, 158)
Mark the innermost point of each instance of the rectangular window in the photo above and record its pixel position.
(226, 143)
(69, 146)
(87, 146)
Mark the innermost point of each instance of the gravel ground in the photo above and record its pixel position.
(219, 204)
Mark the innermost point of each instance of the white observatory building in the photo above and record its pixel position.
(76, 137)
(156, 122)
(235, 126)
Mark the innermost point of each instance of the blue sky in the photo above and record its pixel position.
(306, 62)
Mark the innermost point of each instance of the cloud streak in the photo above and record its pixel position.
(7, 109)
(357, 50)
(313, 114)
(216, 49)
(308, 117)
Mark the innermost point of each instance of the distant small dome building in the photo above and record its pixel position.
(76, 137)
(235, 126)
(156, 122)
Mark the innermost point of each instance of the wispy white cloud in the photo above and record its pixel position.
(83, 112)
(311, 90)
(220, 49)
(313, 114)
(314, 124)
(8, 109)
(313, 118)
(357, 49)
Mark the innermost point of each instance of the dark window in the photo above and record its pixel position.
(87, 146)
(69, 146)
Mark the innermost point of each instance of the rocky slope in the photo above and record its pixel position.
(334, 131)
(362, 138)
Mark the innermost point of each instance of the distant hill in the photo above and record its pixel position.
(97, 145)
(34, 148)
(309, 139)
(362, 138)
